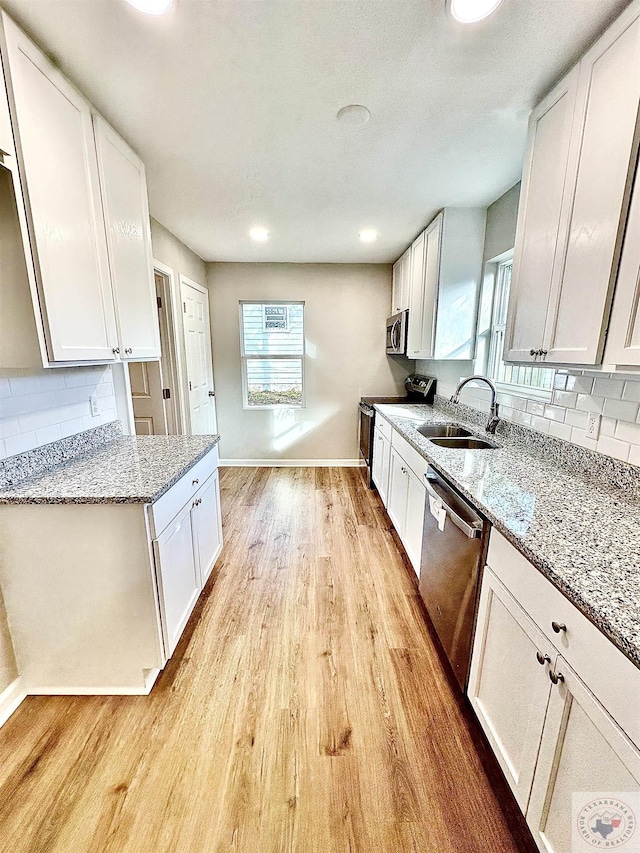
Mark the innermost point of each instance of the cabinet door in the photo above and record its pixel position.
(380, 464)
(601, 163)
(416, 297)
(623, 342)
(582, 750)
(508, 686)
(405, 281)
(425, 276)
(123, 187)
(541, 218)
(7, 151)
(60, 181)
(206, 522)
(414, 519)
(398, 491)
(177, 576)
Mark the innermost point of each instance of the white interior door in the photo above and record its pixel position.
(199, 367)
(146, 394)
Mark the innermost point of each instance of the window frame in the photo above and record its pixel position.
(491, 363)
(244, 359)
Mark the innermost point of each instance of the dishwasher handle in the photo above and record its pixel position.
(472, 531)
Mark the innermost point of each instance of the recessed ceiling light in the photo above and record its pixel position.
(152, 7)
(354, 114)
(259, 234)
(368, 235)
(472, 11)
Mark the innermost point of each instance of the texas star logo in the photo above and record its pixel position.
(606, 823)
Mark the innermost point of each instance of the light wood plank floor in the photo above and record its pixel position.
(305, 708)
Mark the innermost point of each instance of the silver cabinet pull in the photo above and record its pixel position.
(404, 470)
(558, 626)
(542, 659)
(128, 351)
(533, 352)
(116, 350)
(212, 393)
(195, 482)
(556, 676)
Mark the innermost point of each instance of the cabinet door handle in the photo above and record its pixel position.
(128, 351)
(116, 350)
(544, 353)
(558, 626)
(556, 676)
(404, 470)
(195, 482)
(542, 659)
(212, 393)
(534, 352)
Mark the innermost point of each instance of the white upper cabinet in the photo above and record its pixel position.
(446, 266)
(7, 150)
(421, 305)
(401, 283)
(59, 179)
(574, 203)
(623, 342)
(126, 214)
(539, 218)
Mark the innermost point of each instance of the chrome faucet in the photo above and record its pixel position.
(494, 420)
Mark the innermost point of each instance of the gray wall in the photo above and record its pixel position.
(345, 310)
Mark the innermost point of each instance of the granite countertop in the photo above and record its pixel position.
(582, 534)
(126, 470)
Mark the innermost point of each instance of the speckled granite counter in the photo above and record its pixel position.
(581, 534)
(126, 469)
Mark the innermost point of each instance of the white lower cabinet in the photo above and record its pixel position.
(380, 463)
(557, 701)
(397, 472)
(206, 525)
(178, 576)
(114, 590)
(507, 652)
(582, 751)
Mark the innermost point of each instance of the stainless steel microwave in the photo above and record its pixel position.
(397, 333)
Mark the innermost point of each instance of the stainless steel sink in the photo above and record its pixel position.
(468, 443)
(443, 431)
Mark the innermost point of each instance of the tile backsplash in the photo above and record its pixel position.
(38, 407)
(575, 393)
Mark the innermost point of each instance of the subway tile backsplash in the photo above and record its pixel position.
(575, 394)
(38, 407)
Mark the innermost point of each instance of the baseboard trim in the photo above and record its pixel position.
(11, 697)
(150, 676)
(292, 463)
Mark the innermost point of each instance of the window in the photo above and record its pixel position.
(492, 322)
(272, 349)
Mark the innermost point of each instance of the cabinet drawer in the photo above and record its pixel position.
(169, 505)
(384, 426)
(414, 460)
(607, 672)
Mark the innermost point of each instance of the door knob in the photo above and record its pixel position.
(558, 626)
(542, 659)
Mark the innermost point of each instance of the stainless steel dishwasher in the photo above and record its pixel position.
(454, 543)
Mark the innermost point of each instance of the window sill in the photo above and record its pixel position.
(283, 406)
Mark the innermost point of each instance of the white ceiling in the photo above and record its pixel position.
(232, 105)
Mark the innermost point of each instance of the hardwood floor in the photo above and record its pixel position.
(304, 710)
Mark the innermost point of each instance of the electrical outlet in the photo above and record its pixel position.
(93, 403)
(593, 425)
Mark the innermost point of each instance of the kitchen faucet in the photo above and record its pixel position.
(493, 421)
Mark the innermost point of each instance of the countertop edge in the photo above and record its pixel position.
(121, 500)
(538, 561)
